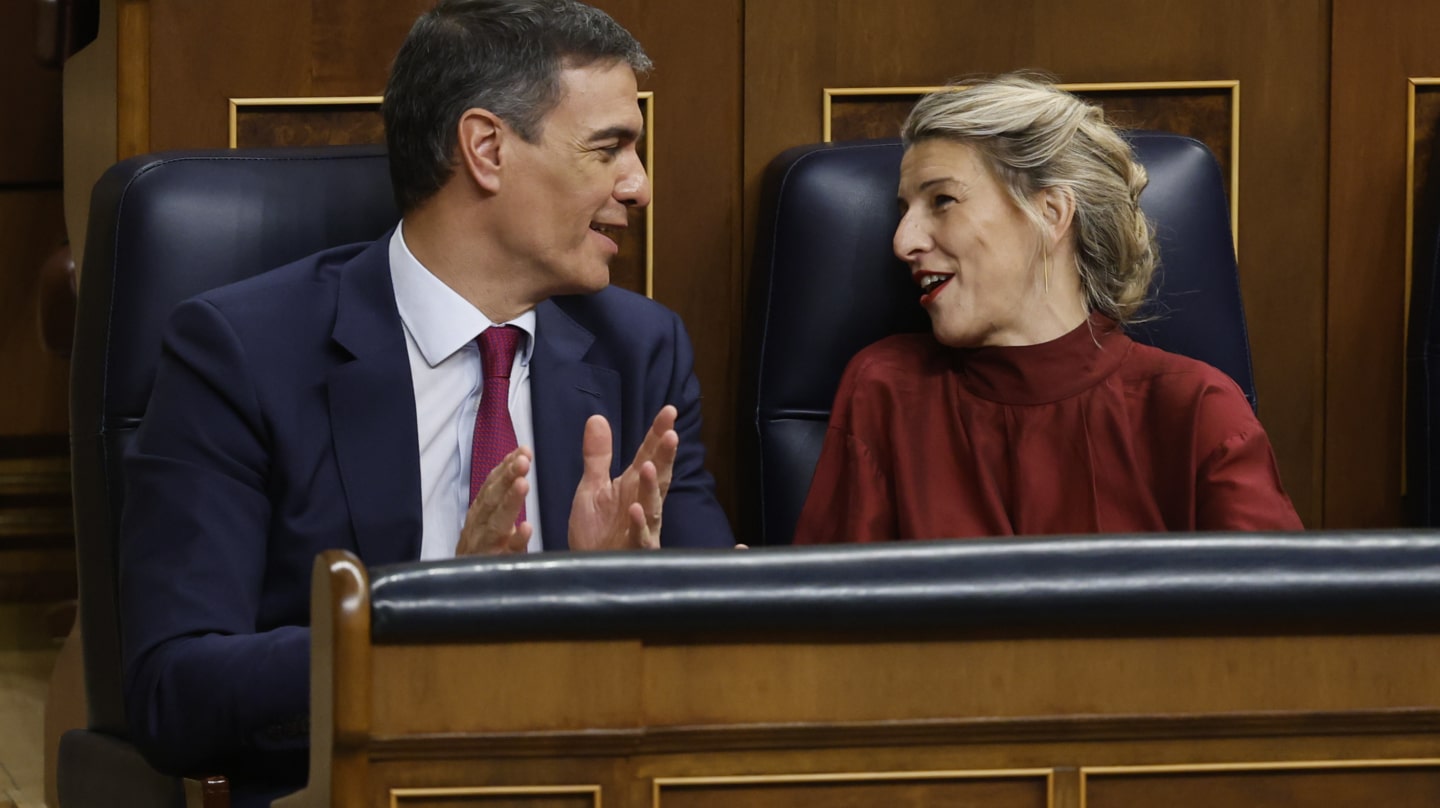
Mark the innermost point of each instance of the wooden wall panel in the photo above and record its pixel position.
(32, 225)
(840, 791)
(29, 102)
(1377, 48)
(1340, 784)
(1278, 53)
(696, 48)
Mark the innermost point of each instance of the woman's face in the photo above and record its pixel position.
(974, 254)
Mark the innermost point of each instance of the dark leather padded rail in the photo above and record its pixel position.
(1314, 581)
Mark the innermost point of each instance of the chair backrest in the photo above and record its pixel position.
(164, 227)
(825, 284)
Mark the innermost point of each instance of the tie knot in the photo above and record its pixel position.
(497, 350)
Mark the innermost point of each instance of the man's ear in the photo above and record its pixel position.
(1057, 207)
(479, 141)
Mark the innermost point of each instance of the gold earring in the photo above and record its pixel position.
(1047, 272)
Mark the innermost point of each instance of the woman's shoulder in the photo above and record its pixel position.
(1180, 384)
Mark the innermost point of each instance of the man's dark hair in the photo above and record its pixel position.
(501, 55)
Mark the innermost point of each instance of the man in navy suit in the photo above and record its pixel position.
(332, 402)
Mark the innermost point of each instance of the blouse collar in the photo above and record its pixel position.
(1049, 371)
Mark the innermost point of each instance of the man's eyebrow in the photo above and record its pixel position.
(621, 133)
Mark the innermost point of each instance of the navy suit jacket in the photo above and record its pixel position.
(282, 423)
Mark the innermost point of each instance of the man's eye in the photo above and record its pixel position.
(610, 152)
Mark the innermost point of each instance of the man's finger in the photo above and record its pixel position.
(520, 539)
(665, 460)
(503, 517)
(640, 535)
(596, 452)
(664, 422)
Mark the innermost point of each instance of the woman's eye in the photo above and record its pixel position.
(943, 201)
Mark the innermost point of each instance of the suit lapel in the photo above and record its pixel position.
(564, 392)
(372, 413)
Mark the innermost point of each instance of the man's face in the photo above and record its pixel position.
(567, 196)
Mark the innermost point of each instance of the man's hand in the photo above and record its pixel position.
(490, 526)
(625, 512)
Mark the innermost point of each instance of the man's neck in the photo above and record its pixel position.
(456, 255)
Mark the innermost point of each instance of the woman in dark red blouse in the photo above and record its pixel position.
(1028, 410)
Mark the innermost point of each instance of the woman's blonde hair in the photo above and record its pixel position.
(1035, 136)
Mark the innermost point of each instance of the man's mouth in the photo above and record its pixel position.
(610, 231)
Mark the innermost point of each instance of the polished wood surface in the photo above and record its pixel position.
(1377, 49)
(29, 103)
(31, 227)
(998, 791)
(1357, 787)
(697, 50)
(840, 719)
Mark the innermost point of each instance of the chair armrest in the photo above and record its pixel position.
(101, 771)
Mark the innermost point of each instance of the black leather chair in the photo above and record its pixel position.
(164, 227)
(825, 284)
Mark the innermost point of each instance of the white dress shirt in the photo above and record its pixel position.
(440, 331)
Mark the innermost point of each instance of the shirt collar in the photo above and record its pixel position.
(439, 320)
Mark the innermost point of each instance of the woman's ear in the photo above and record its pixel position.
(1057, 208)
(480, 134)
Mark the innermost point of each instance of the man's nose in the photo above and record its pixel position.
(633, 189)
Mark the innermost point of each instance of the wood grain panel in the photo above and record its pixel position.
(782, 792)
(300, 124)
(32, 225)
(1376, 50)
(803, 682)
(1278, 53)
(1339, 787)
(697, 50)
(29, 102)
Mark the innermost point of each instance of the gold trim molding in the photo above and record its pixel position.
(296, 101)
(1412, 89)
(856, 777)
(828, 95)
(1267, 766)
(398, 794)
(1413, 86)
(646, 99)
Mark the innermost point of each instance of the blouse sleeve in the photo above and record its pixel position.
(850, 497)
(1238, 483)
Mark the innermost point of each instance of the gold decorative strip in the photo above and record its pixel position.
(855, 777)
(398, 794)
(1231, 85)
(647, 110)
(1266, 766)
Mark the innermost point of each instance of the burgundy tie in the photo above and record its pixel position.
(494, 431)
